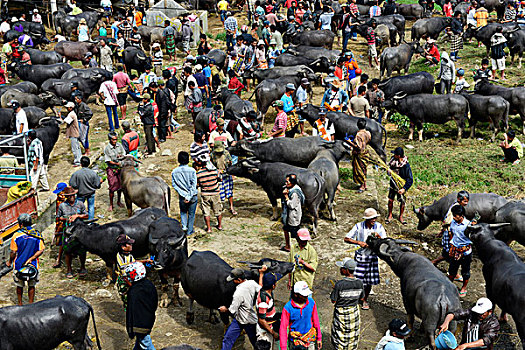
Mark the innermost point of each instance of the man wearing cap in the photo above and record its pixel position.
(73, 132)
(86, 181)
(334, 99)
(481, 325)
(59, 225)
(156, 58)
(112, 154)
(304, 256)
(279, 127)
(324, 127)
(84, 115)
(267, 315)
(244, 316)
(273, 53)
(367, 268)
(345, 297)
(431, 53)
(399, 164)
(67, 213)
(219, 134)
(394, 336)
(21, 124)
(300, 326)
(146, 113)
(230, 25)
(35, 159)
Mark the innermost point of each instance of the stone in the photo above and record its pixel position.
(103, 293)
(167, 152)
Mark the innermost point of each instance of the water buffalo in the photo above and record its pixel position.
(44, 57)
(151, 35)
(326, 164)
(208, 286)
(415, 83)
(144, 192)
(75, 50)
(414, 11)
(486, 204)
(515, 96)
(427, 108)
(345, 124)
(398, 58)
(314, 52)
(35, 117)
(397, 20)
(36, 31)
(68, 24)
(37, 73)
(135, 58)
(169, 246)
(319, 65)
(43, 100)
(429, 26)
(316, 38)
(87, 73)
(271, 177)
(24, 86)
(493, 109)
(101, 240)
(484, 34)
(62, 87)
(514, 214)
(234, 107)
(277, 72)
(219, 57)
(30, 326)
(516, 45)
(427, 292)
(383, 32)
(504, 273)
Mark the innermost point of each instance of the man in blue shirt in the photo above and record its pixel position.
(184, 181)
(26, 247)
(289, 109)
(460, 253)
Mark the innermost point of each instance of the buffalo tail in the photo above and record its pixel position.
(94, 326)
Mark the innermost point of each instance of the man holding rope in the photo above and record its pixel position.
(399, 165)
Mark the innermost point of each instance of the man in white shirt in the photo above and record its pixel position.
(20, 117)
(4, 27)
(108, 91)
(36, 17)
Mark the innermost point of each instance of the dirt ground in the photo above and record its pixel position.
(249, 236)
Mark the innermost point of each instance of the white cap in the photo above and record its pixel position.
(370, 213)
(482, 305)
(14, 19)
(69, 105)
(156, 45)
(301, 288)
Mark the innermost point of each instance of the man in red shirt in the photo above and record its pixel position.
(234, 85)
(123, 83)
(432, 53)
(279, 126)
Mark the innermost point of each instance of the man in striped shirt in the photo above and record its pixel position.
(208, 181)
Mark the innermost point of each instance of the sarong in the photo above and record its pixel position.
(367, 269)
(359, 164)
(345, 328)
(226, 186)
(113, 179)
(456, 42)
(170, 44)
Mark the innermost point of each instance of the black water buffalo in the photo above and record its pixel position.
(135, 58)
(208, 286)
(504, 273)
(414, 11)
(218, 56)
(484, 34)
(493, 109)
(36, 31)
(486, 204)
(86, 73)
(270, 90)
(516, 45)
(326, 164)
(316, 38)
(88, 86)
(35, 117)
(151, 35)
(202, 123)
(427, 292)
(234, 107)
(319, 65)
(24, 86)
(169, 246)
(37, 73)
(42, 100)
(429, 26)
(7, 121)
(314, 52)
(30, 326)
(427, 108)
(277, 72)
(75, 50)
(44, 57)
(415, 83)
(345, 124)
(398, 58)
(395, 19)
(514, 214)
(101, 240)
(271, 177)
(515, 96)
(386, 34)
(68, 24)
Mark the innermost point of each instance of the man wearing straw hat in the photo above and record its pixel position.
(335, 98)
(399, 165)
(367, 268)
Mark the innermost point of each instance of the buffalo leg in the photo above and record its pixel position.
(411, 134)
(109, 276)
(519, 60)
(190, 314)
(165, 300)
(472, 128)
(129, 204)
(176, 284)
(275, 212)
(420, 133)
(461, 126)
(213, 319)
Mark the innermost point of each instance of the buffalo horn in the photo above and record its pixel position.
(43, 120)
(496, 226)
(383, 250)
(415, 210)
(315, 62)
(398, 96)
(404, 241)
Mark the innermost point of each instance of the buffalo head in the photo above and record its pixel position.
(423, 220)
(171, 252)
(387, 248)
(482, 230)
(279, 268)
(50, 99)
(129, 162)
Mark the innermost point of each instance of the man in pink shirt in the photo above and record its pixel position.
(123, 82)
(280, 121)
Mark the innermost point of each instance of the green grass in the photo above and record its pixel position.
(221, 36)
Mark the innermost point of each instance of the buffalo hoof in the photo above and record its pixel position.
(214, 319)
(190, 317)
(164, 301)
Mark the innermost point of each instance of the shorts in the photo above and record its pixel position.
(498, 64)
(211, 204)
(372, 52)
(392, 194)
(121, 98)
(21, 283)
(292, 229)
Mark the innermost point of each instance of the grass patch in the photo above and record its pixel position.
(221, 36)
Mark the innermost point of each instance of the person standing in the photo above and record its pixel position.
(266, 313)
(375, 98)
(73, 132)
(399, 164)
(371, 40)
(359, 105)
(123, 83)
(456, 36)
(86, 181)
(244, 316)
(112, 154)
(301, 96)
(324, 127)
(335, 98)
(293, 199)
(219, 134)
(27, 245)
(300, 326)
(512, 148)
(447, 73)
(498, 42)
(360, 155)
(187, 34)
(222, 159)
(345, 297)
(106, 61)
(208, 181)
(84, 115)
(108, 91)
(135, 39)
(21, 124)
(289, 108)
(142, 301)
(375, 10)
(156, 58)
(231, 27)
(83, 30)
(59, 225)
(367, 268)
(304, 256)
(279, 127)
(184, 181)
(394, 336)
(35, 158)
(130, 139)
(146, 113)
(482, 16)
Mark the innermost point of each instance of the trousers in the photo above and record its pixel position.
(150, 139)
(90, 205)
(187, 214)
(233, 332)
(111, 111)
(75, 148)
(39, 176)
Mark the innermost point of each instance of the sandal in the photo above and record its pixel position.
(387, 221)
(365, 306)
(458, 279)
(463, 293)
(69, 275)
(234, 213)
(82, 272)
(57, 265)
(284, 249)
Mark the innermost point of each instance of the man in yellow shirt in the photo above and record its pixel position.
(222, 6)
(481, 16)
(512, 148)
(304, 256)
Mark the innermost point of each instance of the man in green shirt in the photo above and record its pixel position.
(304, 256)
(512, 148)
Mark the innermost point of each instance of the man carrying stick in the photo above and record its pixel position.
(399, 165)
